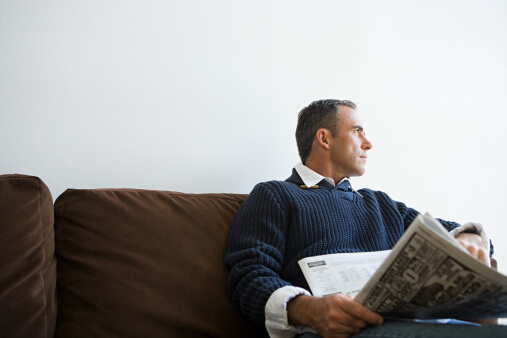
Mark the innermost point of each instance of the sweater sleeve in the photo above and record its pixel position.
(254, 252)
(454, 228)
(409, 214)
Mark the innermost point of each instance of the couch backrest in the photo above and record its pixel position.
(27, 262)
(139, 263)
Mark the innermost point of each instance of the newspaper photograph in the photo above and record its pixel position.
(426, 275)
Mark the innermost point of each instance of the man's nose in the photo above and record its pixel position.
(367, 145)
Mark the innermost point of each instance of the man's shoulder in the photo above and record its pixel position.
(373, 193)
(369, 191)
(279, 190)
(379, 197)
(275, 185)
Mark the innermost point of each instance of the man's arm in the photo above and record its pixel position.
(471, 235)
(331, 316)
(254, 252)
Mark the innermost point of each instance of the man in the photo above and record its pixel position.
(316, 212)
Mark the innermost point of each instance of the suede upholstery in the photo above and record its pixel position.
(130, 263)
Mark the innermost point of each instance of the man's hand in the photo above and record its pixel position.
(331, 316)
(473, 244)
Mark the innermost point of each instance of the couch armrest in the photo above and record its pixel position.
(27, 261)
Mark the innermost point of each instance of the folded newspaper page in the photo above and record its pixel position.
(428, 274)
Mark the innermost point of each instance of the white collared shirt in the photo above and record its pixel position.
(311, 178)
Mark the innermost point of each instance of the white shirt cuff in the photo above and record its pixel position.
(475, 228)
(277, 323)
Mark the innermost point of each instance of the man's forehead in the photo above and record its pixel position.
(345, 109)
(349, 115)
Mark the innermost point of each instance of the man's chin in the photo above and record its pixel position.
(358, 173)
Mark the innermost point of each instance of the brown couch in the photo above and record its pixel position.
(114, 263)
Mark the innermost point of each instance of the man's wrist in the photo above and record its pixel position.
(277, 323)
(295, 313)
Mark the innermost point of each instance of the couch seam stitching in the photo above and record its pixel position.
(44, 261)
(59, 244)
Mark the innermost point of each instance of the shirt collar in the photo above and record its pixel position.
(311, 178)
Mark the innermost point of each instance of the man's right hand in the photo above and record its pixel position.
(331, 316)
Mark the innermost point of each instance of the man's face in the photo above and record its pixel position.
(349, 147)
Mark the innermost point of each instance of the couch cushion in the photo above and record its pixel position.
(139, 263)
(27, 262)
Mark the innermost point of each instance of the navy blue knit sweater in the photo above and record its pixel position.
(280, 222)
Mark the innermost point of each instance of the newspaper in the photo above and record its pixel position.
(427, 275)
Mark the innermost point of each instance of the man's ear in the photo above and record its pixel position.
(322, 137)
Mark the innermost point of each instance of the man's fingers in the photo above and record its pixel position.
(331, 316)
(484, 257)
(358, 313)
(478, 253)
(348, 320)
(367, 315)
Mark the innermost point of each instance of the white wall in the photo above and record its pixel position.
(202, 96)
